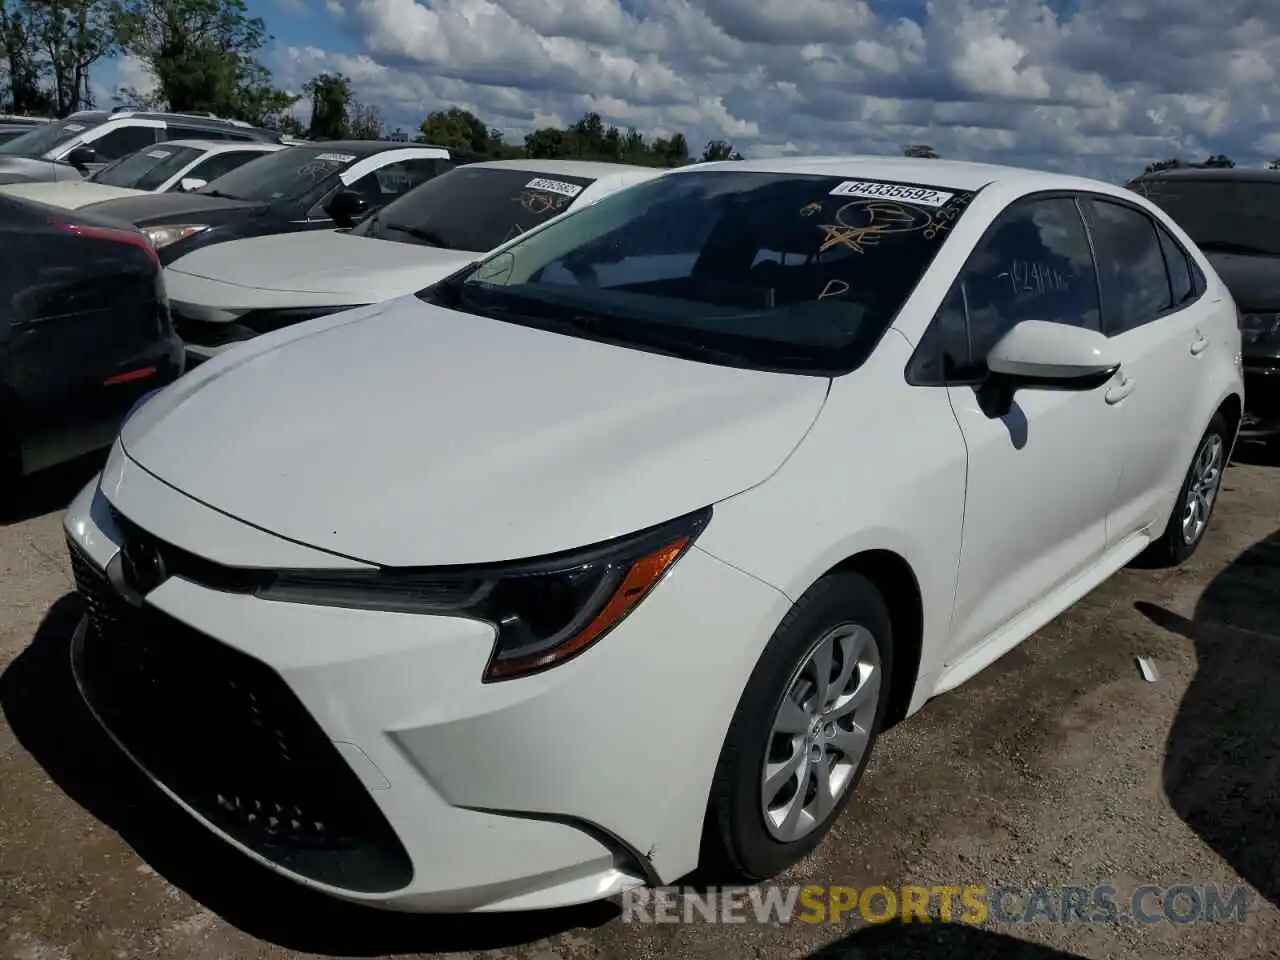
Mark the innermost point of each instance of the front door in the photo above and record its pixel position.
(1041, 479)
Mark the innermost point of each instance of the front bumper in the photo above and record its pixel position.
(440, 793)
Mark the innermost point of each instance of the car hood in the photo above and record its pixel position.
(406, 434)
(151, 209)
(327, 262)
(29, 170)
(70, 194)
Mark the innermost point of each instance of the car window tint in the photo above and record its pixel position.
(213, 167)
(1035, 264)
(1178, 262)
(394, 180)
(122, 141)
(1135, 283)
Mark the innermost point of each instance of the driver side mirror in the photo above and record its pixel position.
(191, 183)
(346, 207)
(1039, 355)
(82, 156)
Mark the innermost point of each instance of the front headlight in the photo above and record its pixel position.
(163, 236)
(1256, 327)
(544, 611)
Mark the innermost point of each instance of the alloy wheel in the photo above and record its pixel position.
(1206, 478)
(820, 732)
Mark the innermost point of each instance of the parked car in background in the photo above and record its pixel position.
(22, 120)
(619, 548)
(176, 165)
(1234, 216)
(88, 140)
(227, 293)
(84, 333)
(318, 186)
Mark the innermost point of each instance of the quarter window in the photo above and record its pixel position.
(1034, 264)
(1180, 267)
(1135, 281)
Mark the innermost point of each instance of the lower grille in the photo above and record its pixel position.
(224, 733)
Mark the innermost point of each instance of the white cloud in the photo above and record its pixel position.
(1097, 86)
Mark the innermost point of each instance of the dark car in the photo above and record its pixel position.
(85, 332)
(317, 186)
(1233, 215)
(11, 131)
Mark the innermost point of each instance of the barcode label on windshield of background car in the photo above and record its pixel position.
(160, 154)
(336, 157)
(892, 191)
(554, 186)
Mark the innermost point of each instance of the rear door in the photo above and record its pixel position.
(87, 338)
(1156, 323)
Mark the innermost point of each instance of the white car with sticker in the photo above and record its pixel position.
(227, 293)
(173, 165)
(520, 592)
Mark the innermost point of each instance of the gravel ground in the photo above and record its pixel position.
(1060, 765)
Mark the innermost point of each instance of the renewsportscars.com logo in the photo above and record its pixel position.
(1180, 904)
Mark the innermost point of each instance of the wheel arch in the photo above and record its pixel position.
(891, 574)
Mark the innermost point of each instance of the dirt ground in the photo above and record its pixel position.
(1059, 765)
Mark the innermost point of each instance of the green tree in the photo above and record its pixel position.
(203, 56)
(71, 36)
(670, 151)
(456, 128)
(1274, 164)
(27, 92)
(921, 150)
(549, 143)
(366, 121)
(1219, 161)
(331, 102)
(719, 150)
(1155, 166)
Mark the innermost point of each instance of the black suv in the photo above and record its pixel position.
(88, 140)
(1233, 215)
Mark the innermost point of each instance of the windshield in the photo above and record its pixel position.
(147, 169)
(474, 208)
(1233, 215)
(45, 137)
(283, 175)
(775, 271)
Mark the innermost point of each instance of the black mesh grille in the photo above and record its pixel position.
(224, 732)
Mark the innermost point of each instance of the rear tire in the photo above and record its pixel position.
(796, 747)
(1197, 497)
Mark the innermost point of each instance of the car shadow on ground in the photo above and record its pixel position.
(1222, 756)
(48, 490)
(44, 710)
(935, 941)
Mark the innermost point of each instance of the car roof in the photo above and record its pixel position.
(368, 147)
(952, 174)
(1233, 174)
(594, 169)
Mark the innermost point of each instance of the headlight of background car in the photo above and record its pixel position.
(545, 611)
(163, 236)
(1257, 327)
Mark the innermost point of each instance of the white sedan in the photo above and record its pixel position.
(628, 542)
(172, 165)
(226, 293)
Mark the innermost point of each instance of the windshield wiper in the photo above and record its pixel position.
(1232, 246)
(219, 194)
(418, 233)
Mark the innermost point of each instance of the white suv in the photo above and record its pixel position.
(88, 140)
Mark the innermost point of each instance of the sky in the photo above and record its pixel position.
(1097, 87)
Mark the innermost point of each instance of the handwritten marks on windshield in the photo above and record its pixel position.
(862, 223)
(541, 203)
(834, 288)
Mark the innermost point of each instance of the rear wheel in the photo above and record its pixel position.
(803, 730)
(1196, 499)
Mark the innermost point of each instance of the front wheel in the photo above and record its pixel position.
(1196, 498)
(803, 730)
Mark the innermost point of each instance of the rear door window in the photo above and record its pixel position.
(1131, 263)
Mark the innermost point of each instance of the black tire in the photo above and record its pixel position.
(737, 843)
(1172, 548)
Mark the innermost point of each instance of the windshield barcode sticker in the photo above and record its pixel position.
(554, 186)
(892, 191)
(159, 154)
(74, 127)
(336, 157)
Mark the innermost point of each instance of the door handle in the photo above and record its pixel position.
(1120, 391)
(1199, 346)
